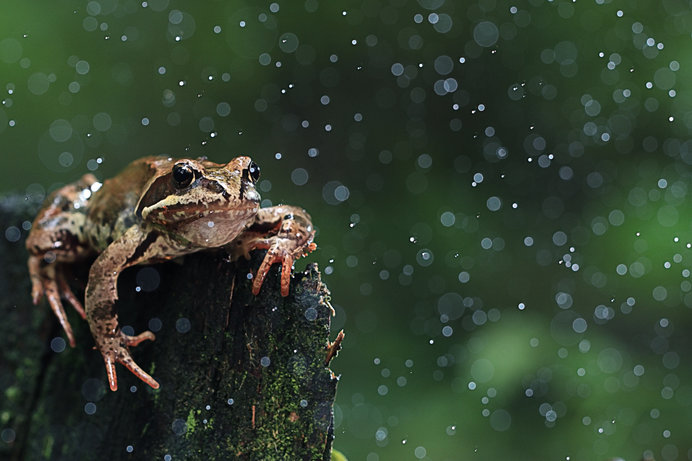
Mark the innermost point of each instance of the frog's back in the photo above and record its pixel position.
(59, 226)
(111, 210)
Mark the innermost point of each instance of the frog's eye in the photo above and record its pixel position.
(254, 170)
(182, 175)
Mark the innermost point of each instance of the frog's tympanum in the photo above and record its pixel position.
(157, 209)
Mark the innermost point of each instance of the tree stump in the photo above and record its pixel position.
(242, 376)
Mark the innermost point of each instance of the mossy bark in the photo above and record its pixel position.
(242, 376)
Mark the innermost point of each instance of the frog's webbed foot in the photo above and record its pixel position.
(49, 281)
(284, 250)
(115, 349)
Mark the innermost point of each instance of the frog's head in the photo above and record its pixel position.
(203, 202)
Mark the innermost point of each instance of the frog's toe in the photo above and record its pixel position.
(66, 292)
(135, 340)
(36, 291)
(137, 371)
(286, 266)
(50, 288)
(110, 371)
(36, 282)
(270, 258)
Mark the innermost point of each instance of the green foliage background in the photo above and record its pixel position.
(500, 188)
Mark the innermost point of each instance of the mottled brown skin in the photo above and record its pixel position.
(157, 209)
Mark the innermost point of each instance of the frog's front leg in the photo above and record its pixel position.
(286, 232)
(132, 248)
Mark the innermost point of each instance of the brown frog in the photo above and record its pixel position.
(157, 209)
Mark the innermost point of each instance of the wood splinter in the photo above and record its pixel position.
(334, 347)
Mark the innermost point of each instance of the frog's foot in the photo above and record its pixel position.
(279, 250)
(115, 350)
(46, 280)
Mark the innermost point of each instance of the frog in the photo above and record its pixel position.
(157, 209)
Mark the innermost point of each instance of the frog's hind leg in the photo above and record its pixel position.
(44, 281)
(49, 280)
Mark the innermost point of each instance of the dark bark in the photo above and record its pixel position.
(242, 377)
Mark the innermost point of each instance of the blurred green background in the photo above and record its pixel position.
(500, 190)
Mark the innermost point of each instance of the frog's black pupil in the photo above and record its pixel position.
(182, 175)
(254, 171)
